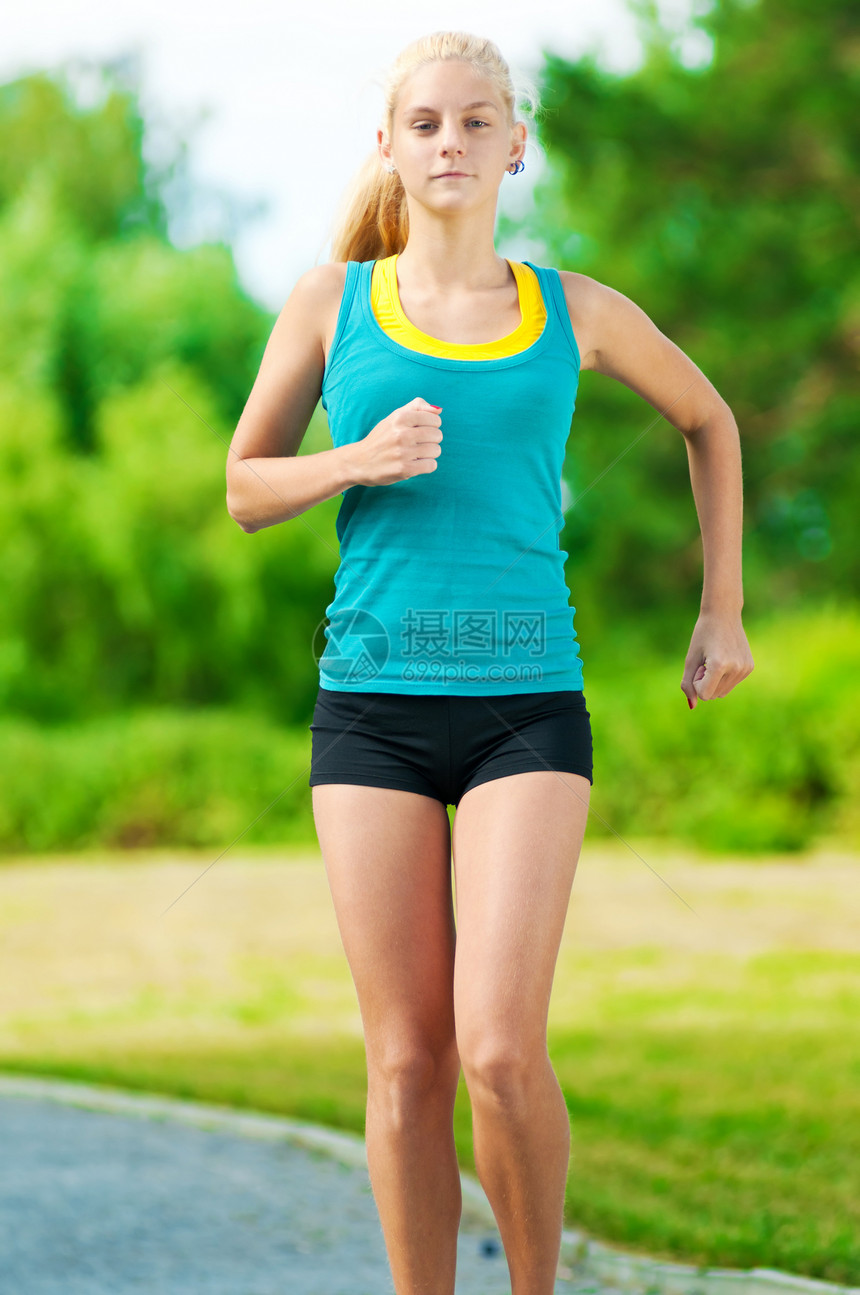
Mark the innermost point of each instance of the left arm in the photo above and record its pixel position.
(617, 338)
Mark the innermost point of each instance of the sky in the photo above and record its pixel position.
(280, 103)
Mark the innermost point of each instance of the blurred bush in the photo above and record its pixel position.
(772, 767)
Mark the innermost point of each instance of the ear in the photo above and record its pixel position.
(383, 147)
(519, 135)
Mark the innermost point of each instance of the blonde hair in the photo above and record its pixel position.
(373, 218)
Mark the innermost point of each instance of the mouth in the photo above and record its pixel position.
(447, 175)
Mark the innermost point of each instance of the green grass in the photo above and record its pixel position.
(711, 1068)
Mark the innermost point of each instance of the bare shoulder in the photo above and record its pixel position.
(585, 298)
(617, 338)
(323, 280)
(317, 293)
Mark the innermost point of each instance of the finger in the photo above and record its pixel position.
(709, 685)
(730, 681)
(689, 684)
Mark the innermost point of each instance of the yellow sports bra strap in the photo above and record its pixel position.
(389, 314)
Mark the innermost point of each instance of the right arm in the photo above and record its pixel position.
(266, 482)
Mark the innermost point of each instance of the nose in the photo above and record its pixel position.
(451, 139)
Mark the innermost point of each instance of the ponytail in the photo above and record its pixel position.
(373, 218)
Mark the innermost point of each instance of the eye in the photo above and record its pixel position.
(425, 126)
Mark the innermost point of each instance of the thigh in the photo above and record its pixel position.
(387, 855)
(516, 845)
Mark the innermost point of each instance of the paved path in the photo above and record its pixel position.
(107, 1192)
(96, 1202)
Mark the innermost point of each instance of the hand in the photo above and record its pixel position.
(718, 658)
(405, 444)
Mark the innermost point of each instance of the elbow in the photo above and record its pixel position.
(720, 420)
(248, 527)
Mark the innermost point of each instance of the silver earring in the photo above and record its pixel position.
(391, 170)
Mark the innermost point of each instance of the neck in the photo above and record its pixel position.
(446, 254)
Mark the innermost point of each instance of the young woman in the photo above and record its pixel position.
(452, 673)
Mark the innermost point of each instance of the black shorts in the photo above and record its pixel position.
(441, 745)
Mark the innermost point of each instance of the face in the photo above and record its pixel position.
(450, 119)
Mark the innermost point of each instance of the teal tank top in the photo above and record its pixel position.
(453, 581)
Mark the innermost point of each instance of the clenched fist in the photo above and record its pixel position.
(405, 444)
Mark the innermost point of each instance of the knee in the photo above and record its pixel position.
(406, 1077)
(501, 1074)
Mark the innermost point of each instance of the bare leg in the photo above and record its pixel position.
(387, 855)
(516, 846)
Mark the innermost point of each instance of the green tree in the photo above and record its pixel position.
(127, 363)
(723, 199)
